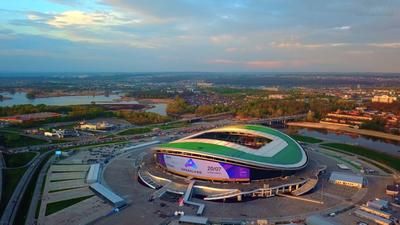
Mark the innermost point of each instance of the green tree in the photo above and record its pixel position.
(179, 107)
(31, 95)
(205, 110)
(310, 116)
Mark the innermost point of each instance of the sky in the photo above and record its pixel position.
(200, 35)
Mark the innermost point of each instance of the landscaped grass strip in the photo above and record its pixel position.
(57, 206)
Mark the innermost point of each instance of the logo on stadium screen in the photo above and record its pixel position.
(190, 163)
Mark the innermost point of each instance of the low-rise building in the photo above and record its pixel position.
(369, 216)
(346, 179)
(384, 99)
(277, 96)
(376, 211)
(61, 133)
(96, 126)
(393, 189)
(347, 117)
(93, 174)
(378, 204)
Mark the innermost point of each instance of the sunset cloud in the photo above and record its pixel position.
(79, 18)
(386, 45)
(200, 35)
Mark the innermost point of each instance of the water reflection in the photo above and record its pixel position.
(380, 144)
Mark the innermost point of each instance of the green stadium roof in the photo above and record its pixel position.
(291, 156)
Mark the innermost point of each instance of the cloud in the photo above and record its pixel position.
(360, 52)
(33, 17)
(66, 2)
(342, 28)
(221, 39)
(223, 61)
(80, 18)
(385, 45)
(263, 64)
(231, 49)
(295, 44)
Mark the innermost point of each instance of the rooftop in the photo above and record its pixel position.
(346, 177)
(281, 151)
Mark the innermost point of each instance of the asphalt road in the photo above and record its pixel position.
(2, 164)
(30, 218)
(12, 206)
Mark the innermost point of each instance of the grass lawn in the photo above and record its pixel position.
(57, 206)
(18, 159)
(11, 178)
(381, 157)
(172, 125)
(139, 130)
(52, 181)
(306, 139)
(66, 189)
(14, 140)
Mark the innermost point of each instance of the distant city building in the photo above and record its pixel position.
(95, 126)
(61, 133)
(384, 99)
(277, 96)
(23, 118)
(347, 117)
(347, 179)
(204, 84)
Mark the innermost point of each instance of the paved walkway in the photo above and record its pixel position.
(50, 186)
(69, 194)
(83, 212)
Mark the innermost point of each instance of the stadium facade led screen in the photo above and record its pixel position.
(203, 169)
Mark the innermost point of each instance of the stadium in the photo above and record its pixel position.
(240, 153)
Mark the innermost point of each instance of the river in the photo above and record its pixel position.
(20, 98)
(383, 145)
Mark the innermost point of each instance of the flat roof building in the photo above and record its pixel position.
(376, 211)
(93, 174)
(193, 220)
(116, 200)
(372, 217)
(378, 204)
(346, 179)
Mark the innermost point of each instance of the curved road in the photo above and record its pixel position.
(13, 204)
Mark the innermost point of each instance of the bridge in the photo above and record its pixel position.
(201, 118)
(277, 120)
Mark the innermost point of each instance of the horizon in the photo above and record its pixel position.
(241, 36)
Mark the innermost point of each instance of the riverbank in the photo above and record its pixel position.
(146, 100)
(345, 129)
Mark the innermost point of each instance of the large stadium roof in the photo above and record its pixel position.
(281, 152)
